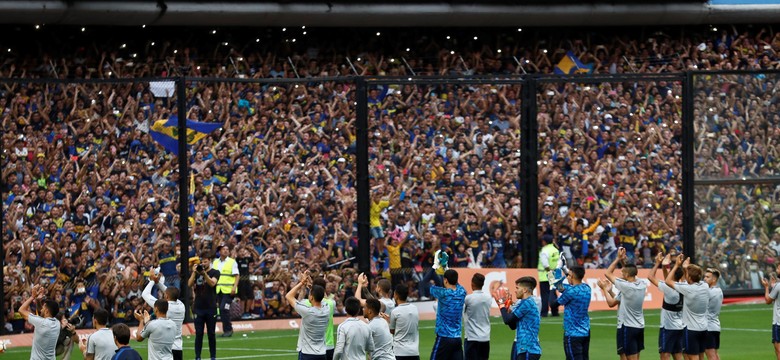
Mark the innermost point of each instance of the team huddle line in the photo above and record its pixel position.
(689, 325)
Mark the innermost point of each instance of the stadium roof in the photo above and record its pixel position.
(385, 13)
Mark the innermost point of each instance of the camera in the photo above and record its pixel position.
(199, 268)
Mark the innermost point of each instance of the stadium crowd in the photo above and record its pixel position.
(90, 199)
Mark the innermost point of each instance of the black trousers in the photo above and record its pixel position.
(477, 350)
(207, 319)
(225, 300)
(549, 298)
(447, 349)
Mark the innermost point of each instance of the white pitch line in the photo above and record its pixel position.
(251, 349)
(657, 326)
(659, 314)
(252, 356)
(244, 339)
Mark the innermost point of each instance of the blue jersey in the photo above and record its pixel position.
(449, 314)
(575, 300)
(528, 318)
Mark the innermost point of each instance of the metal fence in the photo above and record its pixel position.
(278, 161)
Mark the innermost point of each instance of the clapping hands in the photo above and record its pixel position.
(768, 283)
(145, 317)
(605, 285)
(622, 254)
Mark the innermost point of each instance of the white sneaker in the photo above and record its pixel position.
(424, 298)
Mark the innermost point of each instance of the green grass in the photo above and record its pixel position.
(746, 335)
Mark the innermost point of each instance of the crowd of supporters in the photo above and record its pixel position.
(90, 200)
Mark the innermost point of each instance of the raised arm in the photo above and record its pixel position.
(606, 287)
(142, 318)
(670, 278)
(363, 286)
(24, 310)
(620, 257)
(505, 305)
(651, 277)
(292, 295)
(147, 293)
(767, 291)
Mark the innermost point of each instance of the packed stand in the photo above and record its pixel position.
(445, 169)
(736, 131)
(737, 125)
(90, 200)
(609, 169)
(745, 247)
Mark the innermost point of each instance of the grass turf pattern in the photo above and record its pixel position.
(746, 334)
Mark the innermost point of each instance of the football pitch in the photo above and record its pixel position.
(746, 334)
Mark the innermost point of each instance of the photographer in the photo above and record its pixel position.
(47, 327)
(203, 281)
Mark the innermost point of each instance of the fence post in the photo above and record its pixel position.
(2, 240)
(184, 216)
(363, 194)
(529, 169)
(688, 176)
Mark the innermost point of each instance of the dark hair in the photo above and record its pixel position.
(630, 269)
(527, 282)
(173, 293)
(577, 271)
(374, 305)
(53, 307)
(205, 254)
(401, 292)
(478, 280)
(101, 316)
(319, 281)
(121, 333)
(352, 306)
(714, 272)
(318, 293)
(451, 276)
(161, 306)
(678, 274)
(384, 285)
(694, 272)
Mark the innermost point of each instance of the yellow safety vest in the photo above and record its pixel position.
(553, 255)
(226, 277)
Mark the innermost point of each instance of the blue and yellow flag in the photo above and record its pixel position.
(570, 64)
(166, 132)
